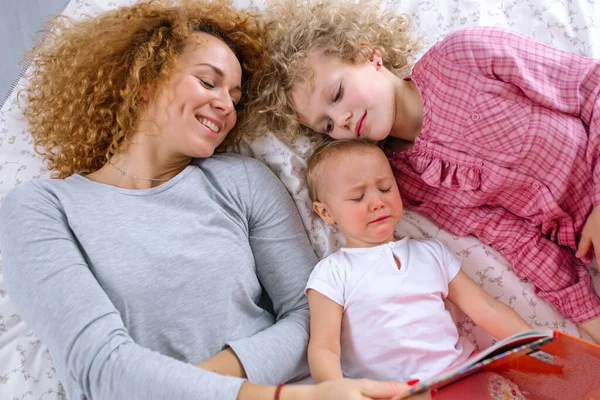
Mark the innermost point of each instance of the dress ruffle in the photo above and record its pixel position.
(436, 173)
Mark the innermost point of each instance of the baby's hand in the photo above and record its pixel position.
(590, 235)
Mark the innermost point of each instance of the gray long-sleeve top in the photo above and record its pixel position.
(128, 287)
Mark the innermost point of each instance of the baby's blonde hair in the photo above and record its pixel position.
(342, 28)
(325, 151)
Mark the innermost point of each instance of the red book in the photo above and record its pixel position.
(546, 365)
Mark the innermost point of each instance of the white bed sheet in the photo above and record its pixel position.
(26, 370)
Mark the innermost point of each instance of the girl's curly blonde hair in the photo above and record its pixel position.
(90, 77)
(341, 28)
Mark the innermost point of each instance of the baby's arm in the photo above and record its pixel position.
(492, 315)
(324, 344)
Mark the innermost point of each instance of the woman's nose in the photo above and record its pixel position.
(224, 103)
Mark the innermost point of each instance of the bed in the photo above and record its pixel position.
(26, 370)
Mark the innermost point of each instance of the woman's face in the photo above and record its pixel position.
(196, 109)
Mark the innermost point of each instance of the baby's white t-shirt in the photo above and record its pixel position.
(395, 324)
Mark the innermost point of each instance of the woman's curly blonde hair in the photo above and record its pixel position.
(342, 28)
(88, 76)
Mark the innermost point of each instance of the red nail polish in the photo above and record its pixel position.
(412, 382)
(433, 393)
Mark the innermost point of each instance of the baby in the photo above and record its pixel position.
(377, 305)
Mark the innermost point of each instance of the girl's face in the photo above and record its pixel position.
(195, 111)
(346, 100)
(359, 194)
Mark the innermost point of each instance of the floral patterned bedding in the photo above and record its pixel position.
(26, 370)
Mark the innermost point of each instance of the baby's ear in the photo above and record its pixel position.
(323, 212)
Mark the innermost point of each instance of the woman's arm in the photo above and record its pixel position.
(324, 344)
(492, 315)
(283, 260)
(56, 293)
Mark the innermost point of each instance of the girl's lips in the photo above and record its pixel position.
(380, 219)
(360, 125)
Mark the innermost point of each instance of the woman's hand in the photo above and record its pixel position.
(339, 389)
(350, 389)
(590, 235)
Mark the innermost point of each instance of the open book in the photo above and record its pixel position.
(544, 364)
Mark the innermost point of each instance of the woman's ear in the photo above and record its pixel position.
(323, 212)
(144, 94)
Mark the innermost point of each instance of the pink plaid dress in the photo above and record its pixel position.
(508, 152)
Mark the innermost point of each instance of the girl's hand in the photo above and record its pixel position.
(590, 235)
(360, 389)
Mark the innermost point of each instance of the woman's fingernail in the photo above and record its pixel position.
(433, 393)
(413, 382)
(578, 254)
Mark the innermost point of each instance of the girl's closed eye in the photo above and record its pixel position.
(338, 93)
(357, 199)
(385, 190)
(328, 126)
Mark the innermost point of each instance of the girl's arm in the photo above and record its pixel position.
(492, 315)
(556, 79)
(325, 330)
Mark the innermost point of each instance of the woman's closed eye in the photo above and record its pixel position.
(206, 83)
(385, 190)
(236, 100)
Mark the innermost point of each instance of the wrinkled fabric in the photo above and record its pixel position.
(508, 152)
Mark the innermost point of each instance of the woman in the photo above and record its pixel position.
(150, 254)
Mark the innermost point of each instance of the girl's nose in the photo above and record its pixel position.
(342, 120)
(376, 203)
